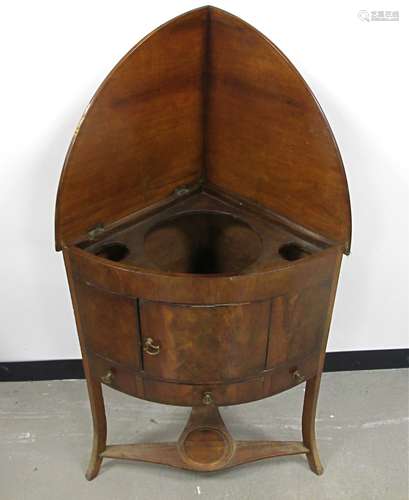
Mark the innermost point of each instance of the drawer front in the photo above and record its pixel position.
(193, 395)
(298, 324)
(116, 376)
(109, 325)
(291, 374)
(222, 394)
(202, 344)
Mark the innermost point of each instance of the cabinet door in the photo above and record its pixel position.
(204, 343)
(109, 325)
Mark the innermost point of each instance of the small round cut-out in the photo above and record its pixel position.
(292, 251)
(112, 251)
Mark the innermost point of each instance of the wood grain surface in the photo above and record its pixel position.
(204, 99)
(203, 212)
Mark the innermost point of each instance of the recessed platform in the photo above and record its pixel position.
(204, 233)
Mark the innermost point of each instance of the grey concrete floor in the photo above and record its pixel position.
(362, 425)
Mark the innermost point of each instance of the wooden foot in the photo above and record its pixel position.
(100, 427)
(308, 423)
(205, 445)
(95, 461)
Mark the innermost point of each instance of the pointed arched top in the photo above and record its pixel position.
(206, 98)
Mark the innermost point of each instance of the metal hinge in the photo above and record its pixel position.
(95, 231)
(182, 190)
(187, 188)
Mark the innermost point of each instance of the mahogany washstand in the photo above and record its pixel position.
(203, 212)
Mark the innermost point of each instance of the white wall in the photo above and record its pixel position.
(55, 54)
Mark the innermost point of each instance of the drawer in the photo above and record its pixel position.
(116, 376)
(141, 386)
(204, 344)
(291, 374)
(193, 395)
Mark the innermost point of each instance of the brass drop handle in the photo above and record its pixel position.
(150, 348)
(108, 378)
(298, 377)
(207, 398)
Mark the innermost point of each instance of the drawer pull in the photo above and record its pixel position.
(150, 348)
(207, 398)
(108, 378)
(298, 377)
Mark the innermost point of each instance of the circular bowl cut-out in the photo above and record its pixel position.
(112, 251)
(202, 243)
(293, 251)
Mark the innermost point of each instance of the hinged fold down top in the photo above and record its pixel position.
(206, 98)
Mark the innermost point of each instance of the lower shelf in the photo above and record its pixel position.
(204, 445)
(205, 453)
